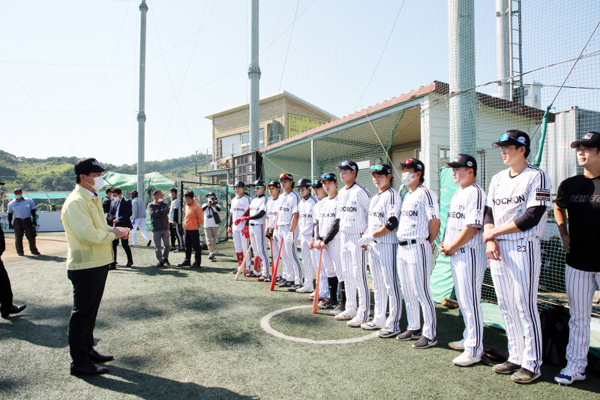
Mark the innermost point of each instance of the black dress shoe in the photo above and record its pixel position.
(97, 357)
(112, 266)
(196, 264)
(89, 369)
(149, 243)
(185, 263)
(13, 310)
(36, 253)
(166, 262)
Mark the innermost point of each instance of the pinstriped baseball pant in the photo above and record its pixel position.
(516, 280)
(382, 262)
(332, 259)
(257, 236)
(468, 269)
(292, 271)
(323, 285)
(354, 265)
(241, 245)
(307, 259)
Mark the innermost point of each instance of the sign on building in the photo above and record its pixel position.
(298, 124)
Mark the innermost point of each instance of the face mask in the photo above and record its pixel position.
(407, 177)
(159, 200)
(18, 196)
(98, 183)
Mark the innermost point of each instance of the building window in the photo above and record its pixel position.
(238, 144)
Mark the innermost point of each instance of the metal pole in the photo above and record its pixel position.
(462, 104)
(503, 49)
(254, 76)
(141, 117)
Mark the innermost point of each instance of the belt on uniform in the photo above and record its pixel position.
(407, 242)
(23, 219)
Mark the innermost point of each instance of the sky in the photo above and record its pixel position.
(69, 69)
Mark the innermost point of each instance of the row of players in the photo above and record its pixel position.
(338, 227)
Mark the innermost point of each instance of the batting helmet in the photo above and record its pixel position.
(259, 182)
(304, 182)
(240, 184)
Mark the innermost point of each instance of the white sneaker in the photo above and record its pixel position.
(465, 359)
(567, 377)
(344, 316)
(371, 326)
(305, 289)
(356, 322)
(460, 345)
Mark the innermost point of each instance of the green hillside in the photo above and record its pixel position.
(56, 173)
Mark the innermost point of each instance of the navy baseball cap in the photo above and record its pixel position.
(513, 137)
(86, 166)
(304, 182)
(286, 176)
(274, 185)
(328, 176)
(316, 184)
(240, 184)
(18, 190)
(415, 164)
(590, 139)
(463, 160)
(348, 164)
(381, 169)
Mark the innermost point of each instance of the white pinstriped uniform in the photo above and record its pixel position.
(257, 232)
(414, 259)
(323, 284)
(239, 205)
(331, 263)
(305, 226)
(353, 210)
(272, 209)
(469, 262)
(288, 205)
(516, 276)
(383, 259)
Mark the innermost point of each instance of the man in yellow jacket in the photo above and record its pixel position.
(89, 255)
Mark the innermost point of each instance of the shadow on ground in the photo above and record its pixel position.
(25, 327)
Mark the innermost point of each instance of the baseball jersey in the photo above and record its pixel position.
(239, 205)
(257, 205)
(384, 205)
(353, 208)
(272, 209)
(21, 209)
(580, 196)
(466, 209)
(305, 216)
(175, 205)
(418, 208)
(288, 206)
(327, 215)
(509, 197)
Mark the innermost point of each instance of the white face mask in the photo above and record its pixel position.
(407, 177)
(98, 183)
(18, 196)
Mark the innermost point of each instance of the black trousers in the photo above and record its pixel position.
(125, 244)
(6, 295)
(192, 240)
(175, 232)
(88, 288)
(24, 226)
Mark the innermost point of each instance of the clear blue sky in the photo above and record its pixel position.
(69, 68)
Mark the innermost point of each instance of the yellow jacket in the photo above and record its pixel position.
(88, 236)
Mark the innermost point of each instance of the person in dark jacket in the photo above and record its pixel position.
(120, 216)
(6, 295)
(106, 202)
(159, 214)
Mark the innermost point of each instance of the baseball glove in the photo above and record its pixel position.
(493, 355)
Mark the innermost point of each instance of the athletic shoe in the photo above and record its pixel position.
(149, 243)
(179, 250)
(339, 309)
(305, 289)
(262, 279)
(344, 316)
(252, 274)
(356, 322)
(409, 335)
(211, 256)
(424, 343)
(167, 263)
(371, 326)
(267, 279)
(286, 283)
(505, 368)
(458, 345)
(524, 376)
(567, 377)
(387, 333)
(466, 359)
(294, 288)
(160, 265)
(327, 303)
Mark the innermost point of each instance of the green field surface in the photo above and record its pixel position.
(181, 333)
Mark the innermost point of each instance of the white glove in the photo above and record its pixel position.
(276, 234)
(290, 237)
(365, 240)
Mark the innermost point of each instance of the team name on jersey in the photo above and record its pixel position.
(510, 200)
(409, 213)
(456, 214)
(349, 209)
(328, 215)
(238, 209)
(305, 216)
(284, 209)
(584, 198)
(378, 214)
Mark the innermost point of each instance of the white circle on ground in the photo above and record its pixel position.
(265, 324)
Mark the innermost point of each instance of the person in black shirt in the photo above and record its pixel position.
(6, 296)
(579, 198)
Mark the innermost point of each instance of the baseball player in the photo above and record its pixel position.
(327, 239)
(256, 219)
(323, 285)
(380, 237)
(354, 200)
(286, 224)
(418, 228)
(306, 225)
(579, 196)
(272, 208)
(514, 220)
(239, 205)
(462, 242)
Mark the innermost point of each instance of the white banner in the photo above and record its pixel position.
(46, 222)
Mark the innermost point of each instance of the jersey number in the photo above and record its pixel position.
(522, 249)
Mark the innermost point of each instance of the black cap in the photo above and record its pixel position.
(316, 184)
(86, 166)
(348, 164)
(211, 194)
(155, 192)
(134, 193)
(259, 182)
(2, 184)
(274, 184)
(590, 139)
(415, 164)
(240, 184)
(381, 169)
(304, 182)
(513, 137)
(463, 160)
(328, 176)
(285, 175)
(18, 190)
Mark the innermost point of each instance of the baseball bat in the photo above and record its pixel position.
(274, 277)
(316, 296)
(242, 266)
(271, 242)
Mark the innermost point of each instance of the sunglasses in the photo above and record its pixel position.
(258, 187)
(504, 137)
(316, 183)
(345, 164)
(328, 176)
(379, 168)
(269, 187)
(285, 176)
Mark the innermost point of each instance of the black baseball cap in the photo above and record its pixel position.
(415, 164)
(286, 176)
(381, 169)
(590, 139)
(317, 184)
(259, 183)
(86, 166)
(328, 176)
(348, 164)
(513, 137)
(135, 193)
(18, 190)
(240, 184)
(274, 185)
(463, 160)
(304, 182)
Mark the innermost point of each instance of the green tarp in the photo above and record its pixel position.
(152, 181)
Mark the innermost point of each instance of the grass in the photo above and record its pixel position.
(179, 333)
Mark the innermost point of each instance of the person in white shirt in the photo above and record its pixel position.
(274, 188)
(174, 225)
(306, 224)
(239, 205)
(212, 220)
(323, 286)
(138, 218)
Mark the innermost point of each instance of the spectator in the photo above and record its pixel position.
(139, 219)
(6, 295)
(159, 213)
(24, 216)
(174, 225)
(211, 222)
(192, 221)
(106, 203)
(120, 215)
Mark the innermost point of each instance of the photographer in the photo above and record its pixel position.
(211, 222)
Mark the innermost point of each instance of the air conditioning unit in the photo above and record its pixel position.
(214, 165)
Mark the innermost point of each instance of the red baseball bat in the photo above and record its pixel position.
(274, 277)
(316, 296)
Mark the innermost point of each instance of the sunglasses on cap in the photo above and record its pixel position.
(285, 176)
(377, 168)
(328, 177)
(268, 187)
(344, 164)
(505, 137)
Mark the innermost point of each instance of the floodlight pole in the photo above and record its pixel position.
(254, 76)
(141, 116)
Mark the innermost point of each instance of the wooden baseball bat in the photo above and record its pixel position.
(316, 296)
(242, 266)
(274, 277)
